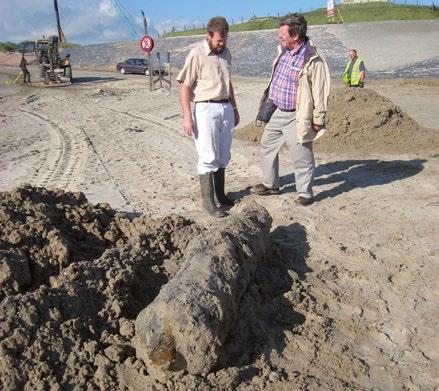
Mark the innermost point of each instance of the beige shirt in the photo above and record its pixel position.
(207, 74)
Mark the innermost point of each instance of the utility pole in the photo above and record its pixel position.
(145, 23)
(58, 23)
(145, 27)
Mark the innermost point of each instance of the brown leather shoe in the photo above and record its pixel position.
(261, 189)
(304, 201)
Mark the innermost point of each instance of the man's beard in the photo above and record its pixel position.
(217, 50)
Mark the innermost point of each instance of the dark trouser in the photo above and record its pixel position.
(26, 75)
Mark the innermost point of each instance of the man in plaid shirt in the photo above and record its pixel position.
(283, 89)
(299, 87)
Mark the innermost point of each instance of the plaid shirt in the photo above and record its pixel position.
(285, 83)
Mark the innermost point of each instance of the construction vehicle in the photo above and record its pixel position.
(53, 68)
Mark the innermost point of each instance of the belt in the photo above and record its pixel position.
(288, 111)
(227, 100)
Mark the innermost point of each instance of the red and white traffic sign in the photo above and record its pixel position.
(147, 43)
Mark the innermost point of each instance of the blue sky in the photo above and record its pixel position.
(231, 9)
(97, 21)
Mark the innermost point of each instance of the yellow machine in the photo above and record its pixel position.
(53, 68)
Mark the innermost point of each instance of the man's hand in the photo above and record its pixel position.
(317, 127)
(188, 125)
(185, 96)
(361, 84)
(236, 116)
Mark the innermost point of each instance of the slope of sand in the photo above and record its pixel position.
(347, 300)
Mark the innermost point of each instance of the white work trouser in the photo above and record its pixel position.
(213, 134)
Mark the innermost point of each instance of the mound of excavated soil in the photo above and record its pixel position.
(364, 121)
(73, 277)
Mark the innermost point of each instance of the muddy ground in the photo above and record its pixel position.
(347, 297)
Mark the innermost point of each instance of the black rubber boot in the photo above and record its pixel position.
(218, 181)
(206, 185)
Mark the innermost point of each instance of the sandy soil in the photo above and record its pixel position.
(364, 122)
(350, 299)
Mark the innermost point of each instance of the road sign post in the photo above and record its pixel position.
(160, 78)
(147, 45)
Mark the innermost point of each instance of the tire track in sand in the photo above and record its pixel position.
(65, 161)
(143, 163)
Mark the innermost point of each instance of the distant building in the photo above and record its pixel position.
(362, 1)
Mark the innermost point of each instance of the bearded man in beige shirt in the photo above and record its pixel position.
(205, 81)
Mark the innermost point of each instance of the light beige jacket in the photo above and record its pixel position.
(312, 94)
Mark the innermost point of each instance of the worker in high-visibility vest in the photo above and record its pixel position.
(355, 71)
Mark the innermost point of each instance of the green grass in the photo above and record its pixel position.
(366, 12)
(67, 45)
(11, 47)
(7, 47)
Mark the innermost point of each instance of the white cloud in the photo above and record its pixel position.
(83, 21)
(106, 8)
(178, 24)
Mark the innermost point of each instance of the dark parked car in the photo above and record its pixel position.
(137, 65)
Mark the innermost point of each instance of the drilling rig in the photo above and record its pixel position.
(61, 36)
(53, 68)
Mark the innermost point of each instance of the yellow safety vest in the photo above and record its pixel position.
(354, 78)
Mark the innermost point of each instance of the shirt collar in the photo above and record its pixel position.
(300, 49)
(297, 51)
(206, 47)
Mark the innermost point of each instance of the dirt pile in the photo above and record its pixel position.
(360, 120)
(73, 277)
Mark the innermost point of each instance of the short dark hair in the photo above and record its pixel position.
(296, 24)
(218, 24)
(353, 50)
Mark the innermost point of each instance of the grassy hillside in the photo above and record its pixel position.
(68, 45)
(366, 12)
(12, 47)
(7, 46)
